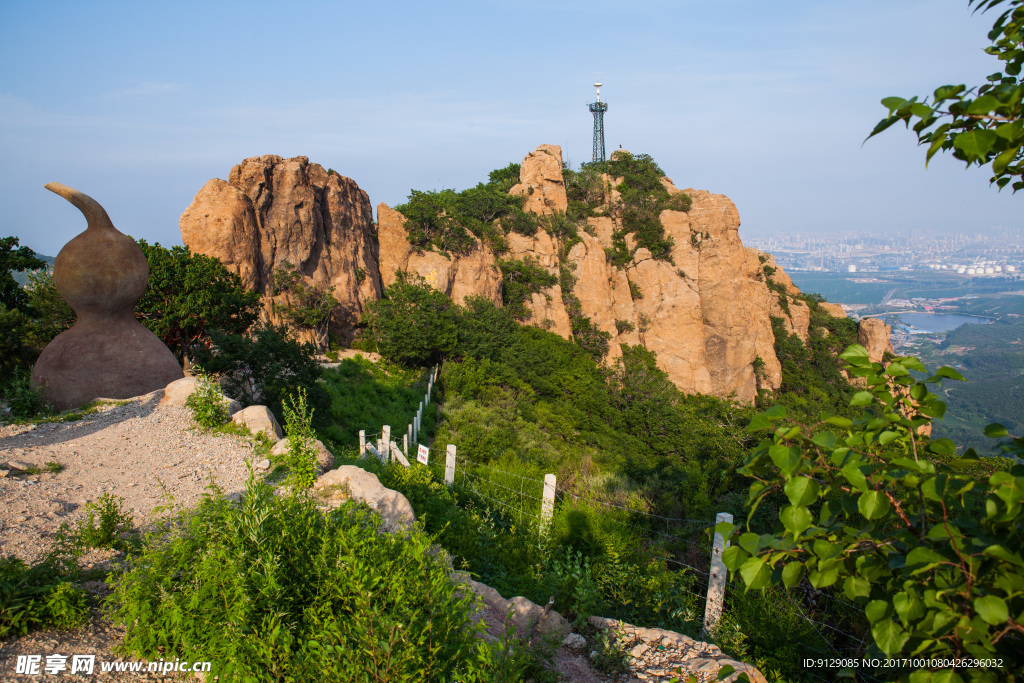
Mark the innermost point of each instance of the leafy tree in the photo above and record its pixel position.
(52, 313)
(264, 367)
(15, 308)
(307, 306)
(980, 125)
(14, 258)
(412, 323)
(190, 294)
(929, 545)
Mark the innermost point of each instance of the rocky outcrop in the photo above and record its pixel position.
(273, 210)
(540, 181)
(834, 310)
(875, 336)
(259, 419)
(705, 313)
(351, 482)
(473, 274)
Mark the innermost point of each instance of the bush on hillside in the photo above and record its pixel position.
(271, 588)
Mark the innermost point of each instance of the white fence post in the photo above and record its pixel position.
(547, 504)
(716, 578)
(405, 444)
(362, 442)
(408, 436)
(385, 437)
(449, 465)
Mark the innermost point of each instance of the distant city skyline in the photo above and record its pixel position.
(140, 104)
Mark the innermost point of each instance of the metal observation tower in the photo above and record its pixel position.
(598, 109)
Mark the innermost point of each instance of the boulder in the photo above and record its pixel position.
(834, 310)
(324, 458)
(272, 210)
(258, 419)
(349, 481)
(875, 336)
(540, 181)
(177, 392)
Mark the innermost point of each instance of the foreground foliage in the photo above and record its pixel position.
(928, 544)
(981, 125)
(271, 588)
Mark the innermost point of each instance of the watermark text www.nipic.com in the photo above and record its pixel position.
(57, 664)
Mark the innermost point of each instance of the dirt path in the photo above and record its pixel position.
(140, 452)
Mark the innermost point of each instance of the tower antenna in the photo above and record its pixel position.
(598, 109)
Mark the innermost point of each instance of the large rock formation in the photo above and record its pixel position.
(875, 336)
(273, 210)
(101, 274)
(706, 312)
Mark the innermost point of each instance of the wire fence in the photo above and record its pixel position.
(681, 543)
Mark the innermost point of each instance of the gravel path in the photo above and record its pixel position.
(141, 452)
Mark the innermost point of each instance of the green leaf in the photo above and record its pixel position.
(796, 519)
(888, 437)
(949, 373)
(996, 431)
(896, 370)
(862, 398)
(1004, 159)
(1004, 555)
(992, 609)
(855, 475)
(909, 607)
(826, 574)
(983, 105)
(912, 363)
(876, 610)
(792, 573)
(786, 458)
(893, 103)
(759, 422)
(841, 422)
(750, 542)
(756, 573)
(921, 559)
(873, 504)
(824, 439)
(889, 637)
(827, 550)
(733, 557)
(975, 144)
(801, 491)
(856, 587)
(942, 447)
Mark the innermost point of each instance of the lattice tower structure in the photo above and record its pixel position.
(598, 109)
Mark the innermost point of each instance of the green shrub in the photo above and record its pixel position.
(38, 597)
(302, 456)
(271, 588)
(520, 280)
(207, 402)
(264, 366)
(23, 400)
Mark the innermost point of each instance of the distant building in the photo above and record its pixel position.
(851, 268)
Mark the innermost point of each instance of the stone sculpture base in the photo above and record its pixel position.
(103, 357)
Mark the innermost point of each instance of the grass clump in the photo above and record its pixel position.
(272, 588)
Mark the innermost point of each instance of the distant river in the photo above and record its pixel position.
(941, 322)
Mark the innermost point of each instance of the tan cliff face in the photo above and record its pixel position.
(706, 314)
(458, 276)
(273, 210)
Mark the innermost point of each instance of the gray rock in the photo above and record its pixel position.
(574, 641)
(262, 465)
(392, 506)
(177, 392)
(18, 466)
(258, 419)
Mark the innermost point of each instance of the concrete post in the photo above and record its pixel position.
(449, 465)
(405, 444)
(716, 578)
(362, 442)
(547, 504)
(385, 437)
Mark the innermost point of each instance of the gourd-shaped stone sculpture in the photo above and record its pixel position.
(101, 273)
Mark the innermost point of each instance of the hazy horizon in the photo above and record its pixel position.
(139, 105)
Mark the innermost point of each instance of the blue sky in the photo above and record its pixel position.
(139, 104)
